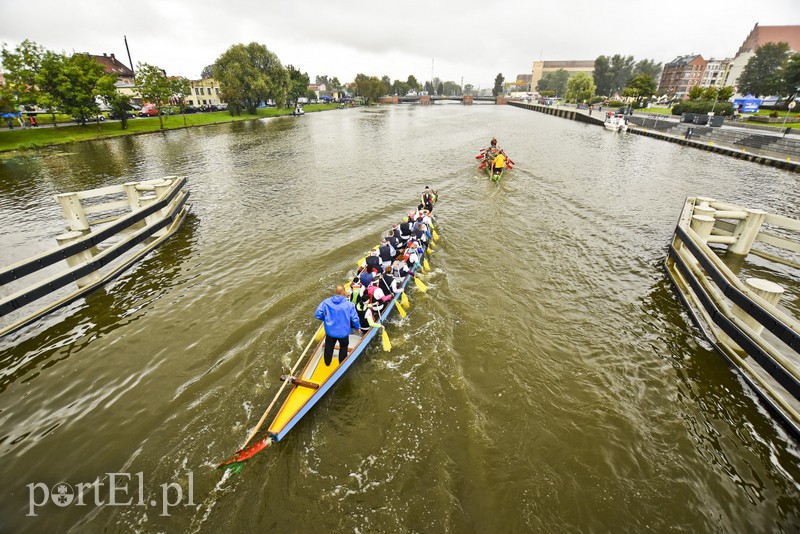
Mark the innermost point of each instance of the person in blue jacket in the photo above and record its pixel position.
(339, 316)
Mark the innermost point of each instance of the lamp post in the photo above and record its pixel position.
(790, 108)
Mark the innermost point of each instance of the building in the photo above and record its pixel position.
(681, 74)
(203, 92)
(759, 36)
(114, 66)
(540, 68)
(716, 72)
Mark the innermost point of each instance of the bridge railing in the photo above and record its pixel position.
(115, 219)
(742, 318)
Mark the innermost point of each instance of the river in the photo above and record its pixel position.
(549, 380)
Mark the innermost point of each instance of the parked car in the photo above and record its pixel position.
(114, 116)
(148, 111)
(190, 109)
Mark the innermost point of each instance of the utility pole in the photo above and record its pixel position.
(129, 54)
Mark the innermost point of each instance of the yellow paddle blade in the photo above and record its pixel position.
(400, 309)
(387, 345)
(362, 262)
(422, 287)
(435, 235)
(320, 333)
(404, 300)
(431, 225)
(429, 251)
(425, 264)
(432, 244)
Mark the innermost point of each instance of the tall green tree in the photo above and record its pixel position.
(580, 87)
(207, 72)
(620, 72)
(555, 82)
(298, 84)
(791, 76)
(370, 87)
(78, 86)
(763, 74)
(469, 89)
(602, 75)
(21, 67)
(412, 82)
(648, 67)
(249, 75)
(641, 87)
(498, 84)
(159, 90)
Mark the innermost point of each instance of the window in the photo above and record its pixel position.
(196, 91)
(202, 92)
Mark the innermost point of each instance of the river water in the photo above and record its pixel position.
(549, 380)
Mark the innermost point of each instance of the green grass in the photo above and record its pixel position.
(653, 109)
(34, 138)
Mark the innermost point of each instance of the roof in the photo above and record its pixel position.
(588, 64)
(112, 65)
(761, 35)
(684, 60)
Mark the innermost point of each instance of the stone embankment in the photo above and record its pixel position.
(742, 143)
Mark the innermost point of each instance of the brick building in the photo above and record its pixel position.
(681, 74)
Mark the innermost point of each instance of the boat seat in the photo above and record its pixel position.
(300, 383)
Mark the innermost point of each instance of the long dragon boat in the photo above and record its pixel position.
(487, 166)
(316, 378)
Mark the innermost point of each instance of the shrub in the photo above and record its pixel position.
(774, 115)
(702, 107)
(616, 104)
(596, 99)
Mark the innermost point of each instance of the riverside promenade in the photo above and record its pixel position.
(759, 145)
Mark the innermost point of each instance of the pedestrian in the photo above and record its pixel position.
(339, 317)
(32, 119)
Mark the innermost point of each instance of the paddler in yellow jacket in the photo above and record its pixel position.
(499, 163)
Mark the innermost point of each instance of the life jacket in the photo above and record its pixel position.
(373, 262)
(500, 161)
(385, 253)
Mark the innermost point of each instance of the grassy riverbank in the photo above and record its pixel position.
(32, 138)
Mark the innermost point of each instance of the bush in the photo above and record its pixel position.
(774, 115)
(703, 107)
(596, 99)
(616, 104)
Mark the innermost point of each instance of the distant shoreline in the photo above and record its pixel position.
(23, 140)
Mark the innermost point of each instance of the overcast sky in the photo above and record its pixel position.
(468, 39)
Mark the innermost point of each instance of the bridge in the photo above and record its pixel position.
(430, 99)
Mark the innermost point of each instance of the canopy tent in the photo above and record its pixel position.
(748, 104)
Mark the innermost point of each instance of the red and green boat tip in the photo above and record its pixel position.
(235, 463)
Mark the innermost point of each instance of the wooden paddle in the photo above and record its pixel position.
(291, 373)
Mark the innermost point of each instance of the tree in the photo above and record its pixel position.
(158, 90)
(77, 86)
(498, 85)
(580, 87)
(298, 84)
(620, 71)
(647, 66)
(440, 89)
(207, 72)
(763, 73)
(642, 86)
(725, 94)
(695, 93)
(412, 82)
(335, 84)
(370, 87)
(120, 104)
(791, 75)
(602, 75)
(469, 89)
(322, 80)
(21, 67)
(451, 88)
(249, 75)
(400, 88)
(554, 81)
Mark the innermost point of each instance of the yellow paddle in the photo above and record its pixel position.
(404, 300)
(400, 309)
(387, 345)
(422, 287)
(425, 264)
(435, 235)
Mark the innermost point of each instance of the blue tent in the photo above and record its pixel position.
(748, 104)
